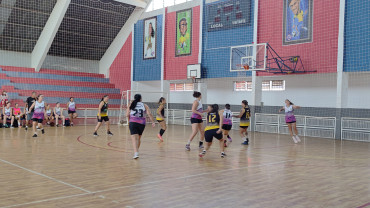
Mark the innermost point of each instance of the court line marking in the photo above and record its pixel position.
(143, 184)
(365, 205)
(45, 176)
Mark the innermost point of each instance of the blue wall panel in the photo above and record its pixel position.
(357, 38)
(149, 69)
(216, 47)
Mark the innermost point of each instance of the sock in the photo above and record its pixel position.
(189, 142)
(161, 132)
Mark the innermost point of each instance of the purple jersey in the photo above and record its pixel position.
(39, 110)
(138, 115)
(199, 109)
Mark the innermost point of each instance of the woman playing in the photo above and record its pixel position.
(7, 113)
(4, 98)
(213, 129)
(38, 114)
(71, 106)
(17, 114)
(196, 120)
(227, 123)
(103, 115)
(160, 117)
(290, 119)
(137, 120)
(58, 113)
(49, 114)
(244, 116)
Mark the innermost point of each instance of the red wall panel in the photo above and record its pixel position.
(175, 67)
(321, 53)
(120, 70)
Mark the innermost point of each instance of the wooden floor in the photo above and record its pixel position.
(68, 167)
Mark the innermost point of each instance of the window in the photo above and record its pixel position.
(181, 87)
(272, 85)
(243, 86)
(159, 4)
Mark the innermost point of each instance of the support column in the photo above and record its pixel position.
(256, 80)
(163, 53)
(48, 33)
(342, 77)
(117, 44)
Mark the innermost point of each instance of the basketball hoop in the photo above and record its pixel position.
(246, 67)
(193, 78)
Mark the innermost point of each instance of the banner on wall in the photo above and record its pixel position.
(229, 14)
(184, 32)
(297, 21)
(150, 38)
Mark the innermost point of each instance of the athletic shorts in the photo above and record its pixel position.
(209, 134)
(226, 127)
(37, 120)
(159, 121)
(103, 118)
(136, 128)
(244, 127)
(70, 112)
(291, 122)
(196, 120)
(29, 116)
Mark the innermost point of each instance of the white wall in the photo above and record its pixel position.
(146, 89)
(70, 64)
(10, 58)
(309, 90)
(359, 90)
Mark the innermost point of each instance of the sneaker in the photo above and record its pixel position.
(201, 145)
(71, 124)
(57, 125)
(48, 123)
(95, 134)
(187, 147)
(136, 155)
(37, 128)
(34, 135)
(5, 126)
(246, 142)
(223, 154)
(230, 140)
(297, 138)
(294, 140)
(160, 137)
(11, 126)
(26, 128)
(109, 133)
(42, 131)
(202, 153)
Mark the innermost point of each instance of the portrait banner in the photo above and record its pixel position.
(183, 32)
(150, 38)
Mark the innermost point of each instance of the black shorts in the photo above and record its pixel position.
(196, 120)
(291, 122)
(226, 127)
(244, 127)
(159, 121)
(136, 128)
(37, 120)
(71, 112)
(103, 118)
(209, 134)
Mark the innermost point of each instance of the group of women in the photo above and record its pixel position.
(218, 123)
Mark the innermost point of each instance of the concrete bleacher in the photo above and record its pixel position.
(58, 86)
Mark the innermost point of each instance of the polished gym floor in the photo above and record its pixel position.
(68, 167)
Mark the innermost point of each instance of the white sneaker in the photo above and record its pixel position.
(297, 138)
(294, 140)
(136, 155)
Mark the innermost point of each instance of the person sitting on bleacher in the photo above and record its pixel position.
(8, 117)
(17, 114)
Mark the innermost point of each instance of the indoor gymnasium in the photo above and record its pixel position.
(185, 103)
